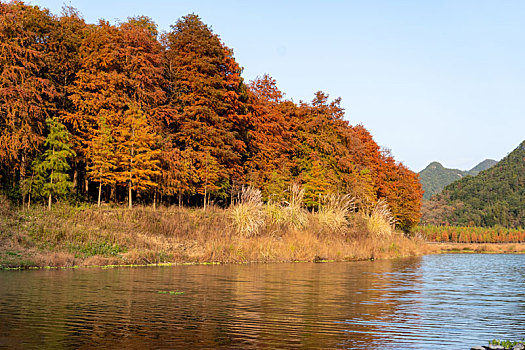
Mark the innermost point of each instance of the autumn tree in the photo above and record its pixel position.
(178, 175)
(120, 80)
(269, 138)
(402, 190)
(135, 152)
(64, 61)
(206, 104)
(318, 182)
(26, 92)
(101, 158)
(324, 148)
(393, 181)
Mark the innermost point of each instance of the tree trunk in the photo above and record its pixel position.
(99, 193)
(205, 181)
(30, 189)
(132, 158)
(113, 193)
(51, 180)
(129, 195)
(23, 176)
(75, 178)
(155, 200)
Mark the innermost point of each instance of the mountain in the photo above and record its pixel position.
(495, 196)
(435, 176)
(484, 165)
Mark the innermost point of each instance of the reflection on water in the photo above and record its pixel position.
(435, 301)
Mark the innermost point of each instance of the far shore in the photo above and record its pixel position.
(488, 248)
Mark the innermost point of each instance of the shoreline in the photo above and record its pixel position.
(86, 236)
(460, 248)
(72, 237)
(480, 248)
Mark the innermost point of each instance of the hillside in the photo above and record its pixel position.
(435, 176)
(495, 196)
(484, 165)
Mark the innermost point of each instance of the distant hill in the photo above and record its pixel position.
(495, 196)
(484, 165)
(435, 176)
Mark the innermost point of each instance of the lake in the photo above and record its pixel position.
(439, 301)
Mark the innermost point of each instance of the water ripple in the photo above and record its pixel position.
(444, 301)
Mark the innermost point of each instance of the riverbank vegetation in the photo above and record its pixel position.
(271, 232)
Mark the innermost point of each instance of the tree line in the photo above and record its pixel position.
(471, 234)
(121, 112)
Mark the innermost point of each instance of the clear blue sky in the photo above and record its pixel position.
(431, 80)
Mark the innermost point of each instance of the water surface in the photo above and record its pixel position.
(441, 301)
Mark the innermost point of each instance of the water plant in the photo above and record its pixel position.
(171, 292)
(507, 344)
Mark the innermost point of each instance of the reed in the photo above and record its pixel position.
(335, 211)
(380, 221)
(293, 210)
(248, 214)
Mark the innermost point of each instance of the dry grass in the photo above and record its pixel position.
(495, 248)
(248, 215)
(380, 221)
(69, 236)
(293, 212)
(335, 211)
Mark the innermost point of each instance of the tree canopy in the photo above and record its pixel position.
(167, 116)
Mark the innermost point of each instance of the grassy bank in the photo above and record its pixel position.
(86, 236)
(480, 248)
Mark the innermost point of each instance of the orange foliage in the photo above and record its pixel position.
(205, 113)
(471, 234)
(175, 114)
(27, 93)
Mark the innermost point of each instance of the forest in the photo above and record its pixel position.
(493, 198)
(122, 113)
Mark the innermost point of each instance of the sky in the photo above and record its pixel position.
(431, 80)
